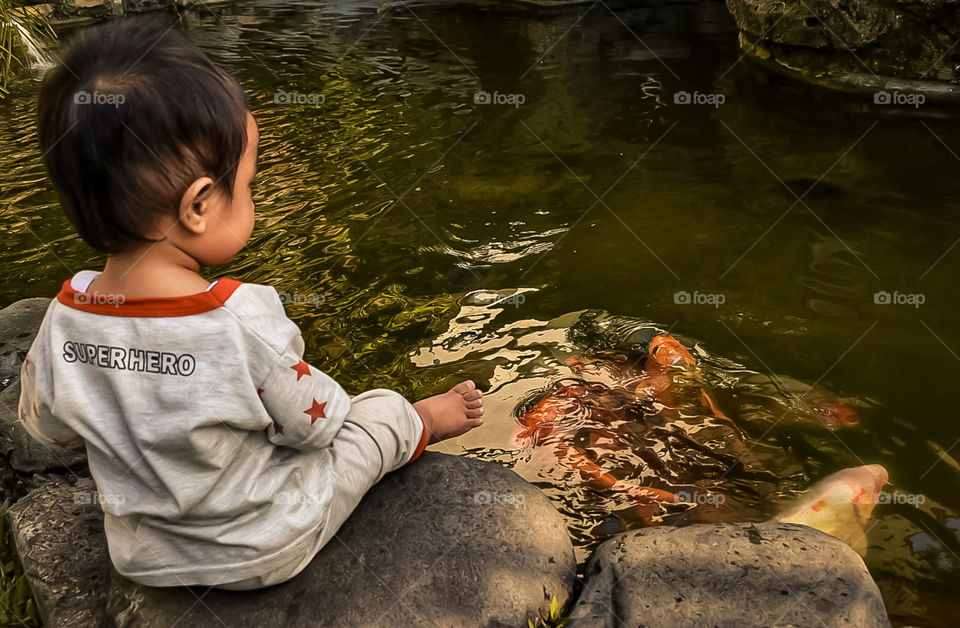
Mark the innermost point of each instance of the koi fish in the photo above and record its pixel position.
(573, 418)
(669, 375)
(840, 504)
(576, 419)
(669, 359)
(790, 400)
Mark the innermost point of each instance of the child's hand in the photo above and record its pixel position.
(453, 413)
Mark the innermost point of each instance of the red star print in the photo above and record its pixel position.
(23, 417)
(260, 393)
(316, 411)
(277, 428)
(302, 369)
(63, 443)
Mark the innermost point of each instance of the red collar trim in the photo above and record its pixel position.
(150, 306)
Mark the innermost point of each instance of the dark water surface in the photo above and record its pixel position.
(394, 213)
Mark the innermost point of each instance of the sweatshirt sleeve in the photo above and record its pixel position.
(35, 416)
(307, 406)
(393, 424)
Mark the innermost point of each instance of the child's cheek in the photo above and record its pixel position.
(230, 235)
(251, 215)
(242, 226)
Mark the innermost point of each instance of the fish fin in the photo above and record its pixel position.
(658, 494)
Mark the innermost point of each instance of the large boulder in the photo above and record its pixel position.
(743, 574)
(868, 44)
(446, 541)
(19, 324)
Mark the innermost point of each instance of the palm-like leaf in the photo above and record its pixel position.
(22, 29)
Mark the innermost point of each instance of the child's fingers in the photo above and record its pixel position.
(476, 403)
(472, 395)
(474, 413)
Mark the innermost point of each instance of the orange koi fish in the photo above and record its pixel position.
(669, 375)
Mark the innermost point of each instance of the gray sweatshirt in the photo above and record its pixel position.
(207, 434)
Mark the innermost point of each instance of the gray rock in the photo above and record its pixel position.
(19, 323)
(143, 6)
(18, 327)
(447, 541)
(764, 574)
(895, 39)
(58, 532)
(25, 454)
(92, 8)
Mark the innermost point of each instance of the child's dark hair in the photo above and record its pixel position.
(132, 116)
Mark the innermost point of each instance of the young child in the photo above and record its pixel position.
(221, 457)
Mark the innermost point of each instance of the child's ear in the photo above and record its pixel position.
(195, 206)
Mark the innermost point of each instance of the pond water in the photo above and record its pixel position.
(423, 235)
